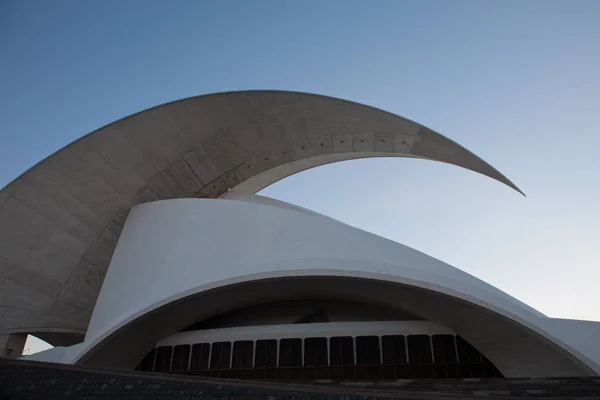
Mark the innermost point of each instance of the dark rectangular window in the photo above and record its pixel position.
(443, 349)
(315, 352)
(419, 349)
(367, 350)
(147, 363)
(200, 356)
(266, 353)
(243, 352)
(290, 353)
(181, 358)
(394, 350)
(341, 350)
(163, 359)
(467, 354)
(220, 355)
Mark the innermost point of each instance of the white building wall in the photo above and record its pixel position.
(174, 246)
(172, 249)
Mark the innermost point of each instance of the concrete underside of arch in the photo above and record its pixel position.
(515, 350)
(61, 220)
(60, 338)
(13, 344)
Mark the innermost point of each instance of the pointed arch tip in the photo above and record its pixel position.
(516, 188)
(503, 179)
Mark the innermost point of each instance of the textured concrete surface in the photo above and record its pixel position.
(30, 380)
(60, 221)
(12, 345)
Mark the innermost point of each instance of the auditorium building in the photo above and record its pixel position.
(143, 245)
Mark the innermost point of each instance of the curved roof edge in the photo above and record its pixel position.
(61, 220)
(437, 145)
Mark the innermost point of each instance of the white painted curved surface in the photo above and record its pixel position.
(328, 329)
(260, 239)
(172, 249)
(60, 220)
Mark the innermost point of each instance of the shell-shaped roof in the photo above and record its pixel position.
(60, 221)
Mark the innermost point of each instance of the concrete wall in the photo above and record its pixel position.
(60, 221)
(12, 345)
(224, 254)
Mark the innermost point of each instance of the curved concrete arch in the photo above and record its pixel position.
(265, 262)
(521, 350)
(60, 221)
(269, 177)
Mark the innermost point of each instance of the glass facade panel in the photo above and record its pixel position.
(419, 349)
(341, 358)
(393, 350)
(181, 358)
(243, 352)
(444, 350)
(341, 350)
(266, 354)
(220, 355)
(163, 359)
(315, 352)
(200, 356)
(367, 350)
(290, 353)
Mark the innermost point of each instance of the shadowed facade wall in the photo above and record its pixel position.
(182, 261)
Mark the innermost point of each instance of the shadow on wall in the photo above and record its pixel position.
(514, 349)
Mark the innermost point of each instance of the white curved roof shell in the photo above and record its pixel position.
(174, 255)
(60, 221)
(179, 261)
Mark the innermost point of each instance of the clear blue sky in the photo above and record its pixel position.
(517, 82)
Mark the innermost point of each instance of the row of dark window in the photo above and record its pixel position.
(391, 356)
